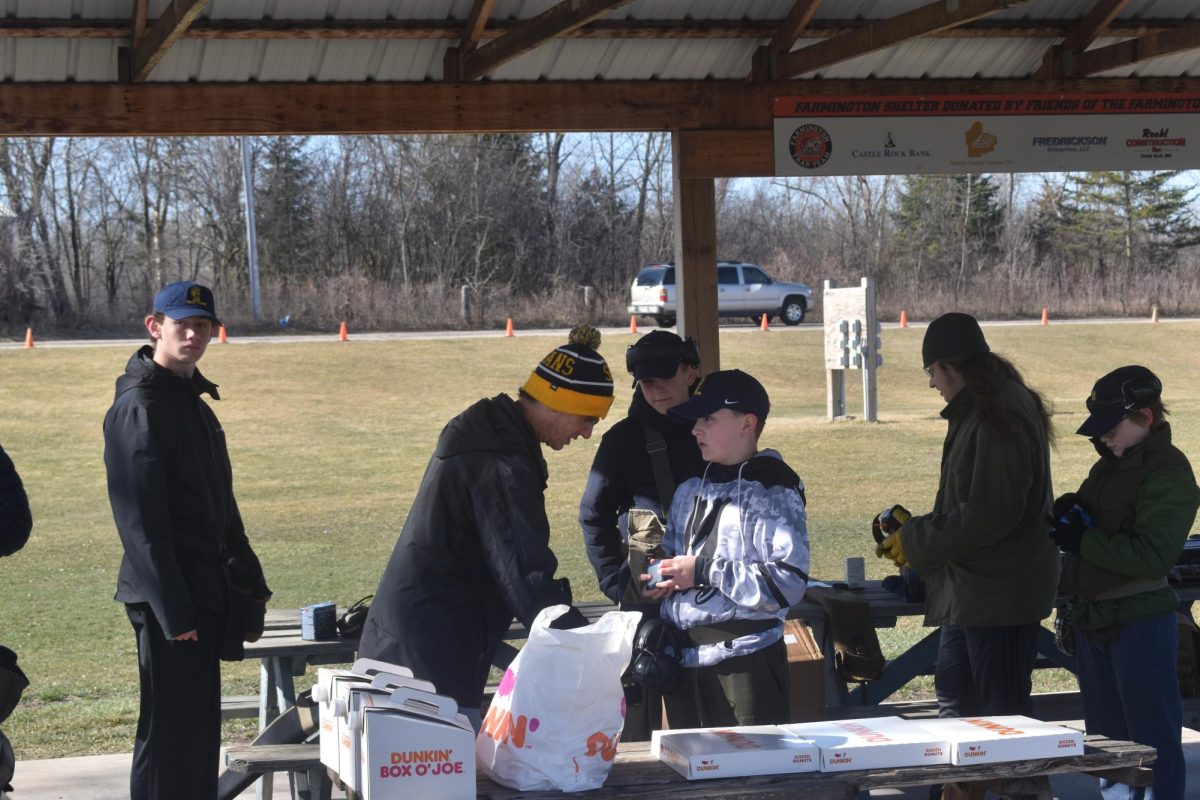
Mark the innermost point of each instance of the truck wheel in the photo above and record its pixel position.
(665, 322)
(793, 311)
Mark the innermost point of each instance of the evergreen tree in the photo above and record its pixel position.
(943, 223)
(285, 213)
(1125, 222)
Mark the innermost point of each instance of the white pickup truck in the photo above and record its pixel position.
(743, 290)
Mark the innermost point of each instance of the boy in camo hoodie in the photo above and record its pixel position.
(738, 547)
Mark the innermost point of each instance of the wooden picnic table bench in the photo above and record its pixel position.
(636, 774)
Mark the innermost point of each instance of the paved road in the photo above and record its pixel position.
(558, 333)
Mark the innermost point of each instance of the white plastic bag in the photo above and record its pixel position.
(558, 713)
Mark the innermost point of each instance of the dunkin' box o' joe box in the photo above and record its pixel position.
(416, 745)
(986, 740)
(877, 743)
(698, 753)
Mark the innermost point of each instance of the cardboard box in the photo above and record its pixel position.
(806, 672)
(353, 699)
(324, 691)
(987, 740)
(732, 752)
(416, 745)
(331, 700)
(876, 743)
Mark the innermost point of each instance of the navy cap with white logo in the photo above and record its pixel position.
(184, 299)
(728, 388)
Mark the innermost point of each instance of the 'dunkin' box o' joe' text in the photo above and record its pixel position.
(986, 740)
(877, 743)
(699, 753)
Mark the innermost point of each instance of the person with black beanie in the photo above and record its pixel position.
(990, 571)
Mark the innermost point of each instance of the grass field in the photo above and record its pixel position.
(329, 441)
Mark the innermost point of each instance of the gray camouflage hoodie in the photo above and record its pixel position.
(747, 527)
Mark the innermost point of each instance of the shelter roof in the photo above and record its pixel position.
(660, 52)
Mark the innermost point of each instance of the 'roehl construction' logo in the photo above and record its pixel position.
(810, 146)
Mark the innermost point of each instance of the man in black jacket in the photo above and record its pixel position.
(665, 370)
(170, 484)
(15, 519)
(475, 549)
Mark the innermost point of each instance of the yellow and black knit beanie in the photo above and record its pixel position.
(574, 378)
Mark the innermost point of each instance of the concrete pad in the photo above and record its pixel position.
(96, 778)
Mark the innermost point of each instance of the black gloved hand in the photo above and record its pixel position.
(574, 618)
(1068, 529)
(1063, 504)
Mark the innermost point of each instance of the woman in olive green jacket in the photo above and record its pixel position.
(990, 570)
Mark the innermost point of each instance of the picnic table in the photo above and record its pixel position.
(285, 655)
(637, 774)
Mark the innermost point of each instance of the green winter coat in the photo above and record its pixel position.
(984, 551)
(1143, 505)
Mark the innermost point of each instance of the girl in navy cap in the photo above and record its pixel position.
(1120, 532)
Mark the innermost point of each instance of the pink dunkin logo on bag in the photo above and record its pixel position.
(499, 724)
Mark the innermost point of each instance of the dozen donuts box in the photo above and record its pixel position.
(699, 753)
(876, 743)
(415, 744)
(986, 740)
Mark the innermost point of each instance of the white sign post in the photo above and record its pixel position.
(851, 342)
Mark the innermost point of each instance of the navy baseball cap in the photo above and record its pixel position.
(184, 299)
(728, 388)
(1117, 395)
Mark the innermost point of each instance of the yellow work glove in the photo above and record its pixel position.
(892, 548)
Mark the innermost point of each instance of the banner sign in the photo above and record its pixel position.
(985, 133)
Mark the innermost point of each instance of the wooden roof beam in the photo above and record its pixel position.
(566, 16)
(150, 49)
(285, 29)
(1059, 59)
(138, 26)
(1133, 51)
(923, 21)
(766, 57)
(452, 63)
(227, 109)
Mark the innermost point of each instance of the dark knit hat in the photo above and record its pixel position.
(574, 378)
(951, 336)
(1117, 395)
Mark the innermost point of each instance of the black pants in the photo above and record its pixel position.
(985, 671)
(176, 753)
(744, 690)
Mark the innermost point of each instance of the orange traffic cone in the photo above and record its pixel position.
(222, 336)
(764, 325)
(29, 338)
(508, 329)
(1154, 313)
(632, 324)
(903, 318)
(1045, 317)
(342, 334)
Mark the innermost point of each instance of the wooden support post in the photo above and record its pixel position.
(696, 261)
